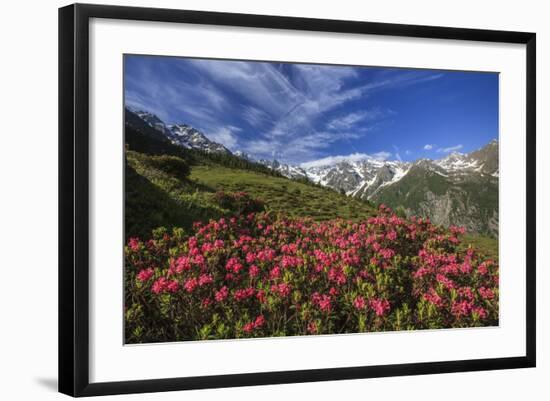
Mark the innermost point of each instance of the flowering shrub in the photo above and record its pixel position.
(259, 274)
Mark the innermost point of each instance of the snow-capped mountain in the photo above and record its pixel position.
(484, 160)
(358, 178)
(182, 134)
(189, 137)
(153, 121)
(457, 189)
(460, 189)
(287, 170)
(365, 178)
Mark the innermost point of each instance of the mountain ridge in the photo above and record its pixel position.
(460, 188)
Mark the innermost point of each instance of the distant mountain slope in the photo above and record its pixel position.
(460, 189)
(460, 197)
(182, 134)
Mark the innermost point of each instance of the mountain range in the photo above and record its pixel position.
(459, 189)
(182, 134)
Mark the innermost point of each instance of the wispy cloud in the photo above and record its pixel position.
(255, 117)
(428, 146)
(397, 155)
(450, 149)
(226, 136)
(295, 111)
(294, 149)
(354, 157)
(261, 84)
(349, 120)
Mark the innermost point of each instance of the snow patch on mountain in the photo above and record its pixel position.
(359, 175)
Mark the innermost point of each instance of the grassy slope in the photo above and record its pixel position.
(284, 195)
(156, 198)
(486, 245)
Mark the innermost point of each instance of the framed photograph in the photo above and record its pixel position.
(250, 199)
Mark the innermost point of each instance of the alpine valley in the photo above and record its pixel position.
(457, 189)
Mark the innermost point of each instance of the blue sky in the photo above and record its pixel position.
(316, 114)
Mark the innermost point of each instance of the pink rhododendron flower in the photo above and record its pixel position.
(480, 312)
(159, 285)
(259, 322)
(244, 293)
(282, 289)
(145, 274)
(275, 272)
(221, 294)
(447, 282)
(359, 303)
(336, 274)
(433, 297)
(486, 293)
(190, 284)
(379, 306)
(296, 276)
(233, 265)
(466, 292)
(387, 253)
(206, 302)
(183, 263)
(134, 244)
(466, 267)
(461, 308)
(323, 301)
(482, 269)
(205, 279)
(172, 286)
(253, 271)
(250, 257)
(247, 328)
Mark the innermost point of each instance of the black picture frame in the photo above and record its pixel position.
(74, 198)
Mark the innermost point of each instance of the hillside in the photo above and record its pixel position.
(283, 195)
(168, 184)
(155, 196)
(459, 189)
(469, 200)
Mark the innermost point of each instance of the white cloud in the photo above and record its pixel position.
(297, 148)
(380, 155)
(331, 160)
(260, 83)
(350, 120)
(226, 136)
(260, 148)
(286, 106)
(450, 149)
(400, 80)
(428, 146)
(408, 152)
(255, 117)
